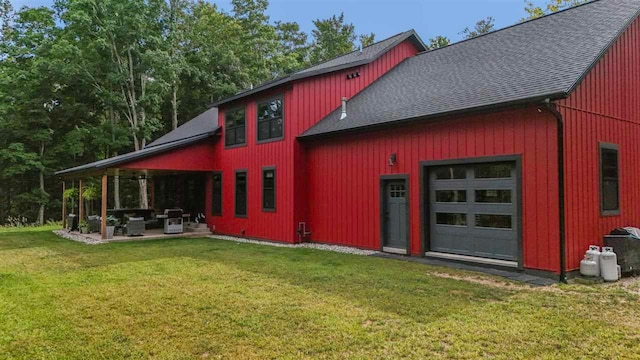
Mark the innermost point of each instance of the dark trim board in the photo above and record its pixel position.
(425, 201)
(384, 179)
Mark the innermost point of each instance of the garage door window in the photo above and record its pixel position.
(451, 173)
(454, 196)
(493, 196)
(454, 219)
(493, 221)
(492, 171)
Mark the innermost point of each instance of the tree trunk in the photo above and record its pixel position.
(116, 190)
(174, 106)
(144, 199)
(42, 190)
(41, 210)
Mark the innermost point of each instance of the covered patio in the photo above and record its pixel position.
(172, 173)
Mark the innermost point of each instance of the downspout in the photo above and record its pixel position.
(563, 248)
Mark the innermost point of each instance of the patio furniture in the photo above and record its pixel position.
(94, 223)
(135, 226)
(72, 222)
(173, 221)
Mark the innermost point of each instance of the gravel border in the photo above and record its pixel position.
(325, 247)
(78, 237)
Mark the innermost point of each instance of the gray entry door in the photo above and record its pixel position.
(473, 210)
(395, 214)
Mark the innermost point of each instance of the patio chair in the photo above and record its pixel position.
(94, 223)
(134, 226)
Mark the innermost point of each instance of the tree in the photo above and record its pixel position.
(438, 42)
(215, 58)
(332, 37)
(482, 27)
(534, 11)
(176, 32)
(367, 39)
(29, 93)
(128, 35)
(292, 51)
(258, 39)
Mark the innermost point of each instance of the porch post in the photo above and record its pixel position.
(80, 206)
(103, 210)
(64, 206)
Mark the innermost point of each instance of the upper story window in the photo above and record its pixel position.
(235, 127)
(270, 119)
(609, 180)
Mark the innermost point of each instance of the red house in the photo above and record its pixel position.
(518, 148)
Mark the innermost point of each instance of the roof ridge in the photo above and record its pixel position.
(350, 52)
(512, 26)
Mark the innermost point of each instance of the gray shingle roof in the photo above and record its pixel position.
(201, 127)
(352, 59)
(369, 53)
(542, 58)
(206, 122)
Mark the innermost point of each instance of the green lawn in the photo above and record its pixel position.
(203, 298)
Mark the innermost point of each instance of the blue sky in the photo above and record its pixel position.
(386, 17)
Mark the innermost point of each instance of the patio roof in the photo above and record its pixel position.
(198, 129)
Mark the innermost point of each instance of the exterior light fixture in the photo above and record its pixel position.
(393, 159)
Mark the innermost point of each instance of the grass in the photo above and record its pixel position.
(204, 298)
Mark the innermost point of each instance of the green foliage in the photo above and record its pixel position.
(91, 192)
(481, 27)
(332, 37)
(438, 42)
(367, 39)
(112, 220)
(534, 11)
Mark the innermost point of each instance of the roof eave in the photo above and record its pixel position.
(409, 35)
(100, 165)
(492, 107)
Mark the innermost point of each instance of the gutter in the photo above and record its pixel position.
(563, 248)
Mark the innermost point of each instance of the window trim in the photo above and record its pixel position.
(213, 174)
(235, 193)
(230, 110)
(264, 169)
(264, 100)
(616, 148)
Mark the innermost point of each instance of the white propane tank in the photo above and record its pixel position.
(594, 251)
(608, 264)
(588, 266)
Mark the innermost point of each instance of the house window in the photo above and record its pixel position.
(216, 195)
(609, 180)
(269, 189)
(270, 121)
(241, 193)
(234, 127)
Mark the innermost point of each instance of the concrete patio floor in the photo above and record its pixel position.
(150, 234)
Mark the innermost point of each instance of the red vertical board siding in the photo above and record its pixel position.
(196, 157)
(343, 176)
(605, 107)
(306, 102)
